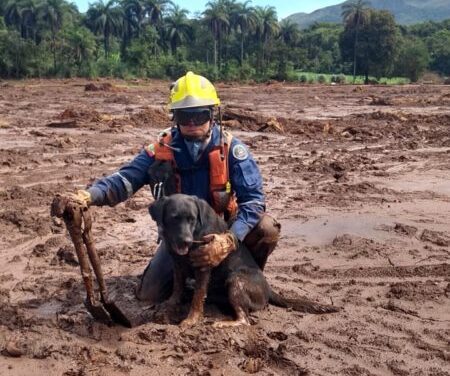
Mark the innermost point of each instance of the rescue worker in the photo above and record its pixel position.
(194, 157)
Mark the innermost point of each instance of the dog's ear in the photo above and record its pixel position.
(156, 210)
(207, 218)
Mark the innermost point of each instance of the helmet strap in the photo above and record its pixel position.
(222, 147)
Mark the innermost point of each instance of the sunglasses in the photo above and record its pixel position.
(192, 117)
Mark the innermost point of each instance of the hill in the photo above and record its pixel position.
(405, 11)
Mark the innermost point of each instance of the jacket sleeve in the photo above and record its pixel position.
(246, 181)
(121, 185)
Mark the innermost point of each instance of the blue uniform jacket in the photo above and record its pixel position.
(245, 177)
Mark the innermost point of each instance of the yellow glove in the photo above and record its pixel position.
(63, 202)
(218, 247)
(83, 197)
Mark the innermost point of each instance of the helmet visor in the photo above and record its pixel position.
(192, 116)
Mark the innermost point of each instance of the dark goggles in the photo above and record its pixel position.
(189, 117)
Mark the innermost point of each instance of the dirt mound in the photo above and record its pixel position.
(416, 291)
(79, 114)
(363, 188)
(380, 101)
(75, 118)
(121, 99)
(435, 237)
(106, 86)
(65, 255)
(384, 115)
(17, 196)
(356, 247)
(151, 118)
(403, 229)
(405, 101)
(237, 118)
(11, 158)
(27, 223)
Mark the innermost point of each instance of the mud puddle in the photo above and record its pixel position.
(323, 230)
(434, 182)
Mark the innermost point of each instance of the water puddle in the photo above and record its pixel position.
(321, 231)
(11, 140)
(440, 187)
(435, 182)
(48, 309)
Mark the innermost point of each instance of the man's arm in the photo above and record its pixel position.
(246, 182)
(121, 185)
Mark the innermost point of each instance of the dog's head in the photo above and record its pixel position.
(181, 220)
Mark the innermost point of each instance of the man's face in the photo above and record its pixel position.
(194, 123)
(195, 131)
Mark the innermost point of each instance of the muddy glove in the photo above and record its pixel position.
(218, 247)
(67, 201)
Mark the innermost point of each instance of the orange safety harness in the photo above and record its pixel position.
(222, 199)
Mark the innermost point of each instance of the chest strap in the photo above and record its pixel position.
(222, 198)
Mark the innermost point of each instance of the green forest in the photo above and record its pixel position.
(229, 40)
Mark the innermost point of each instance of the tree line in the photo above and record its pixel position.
(229, 40)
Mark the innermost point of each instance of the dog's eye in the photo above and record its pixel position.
(174, 217)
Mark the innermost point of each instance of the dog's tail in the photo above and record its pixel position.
(300, 304)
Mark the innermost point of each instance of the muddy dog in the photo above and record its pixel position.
(182, 222)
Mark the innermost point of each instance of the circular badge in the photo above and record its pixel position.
(240, 152)
(150, 150)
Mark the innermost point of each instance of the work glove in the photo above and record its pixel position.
(68, 201)
(218, 247)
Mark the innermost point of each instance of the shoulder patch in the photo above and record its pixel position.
(240, 152)
(150, 149)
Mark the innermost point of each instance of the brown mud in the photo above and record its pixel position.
(358, 177)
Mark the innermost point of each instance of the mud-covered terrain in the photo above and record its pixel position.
(359, 177)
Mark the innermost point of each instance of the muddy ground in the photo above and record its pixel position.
(358, 177)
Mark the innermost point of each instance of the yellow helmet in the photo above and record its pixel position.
(192, 90)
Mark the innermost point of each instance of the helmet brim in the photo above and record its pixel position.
(192, 102)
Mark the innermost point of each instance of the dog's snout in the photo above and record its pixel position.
(182, 245)
(186, 243)
(185, 237)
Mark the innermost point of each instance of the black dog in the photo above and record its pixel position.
(182, 222)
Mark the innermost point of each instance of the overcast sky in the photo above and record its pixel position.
(284, 7)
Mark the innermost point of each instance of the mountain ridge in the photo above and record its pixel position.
(406, 12)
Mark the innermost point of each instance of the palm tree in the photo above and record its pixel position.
(244, 22)
(30, 18)
(178, 27)
(217, 18)
(133, 16)
(355, 14)
(13, 14)
(22, 14)
(155, 10)
(106, 19)
(51, 12)
(79, 45)
(289, 32)
(267, 27)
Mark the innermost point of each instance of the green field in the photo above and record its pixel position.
(327, 78)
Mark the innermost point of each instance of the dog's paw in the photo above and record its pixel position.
(190, 322)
